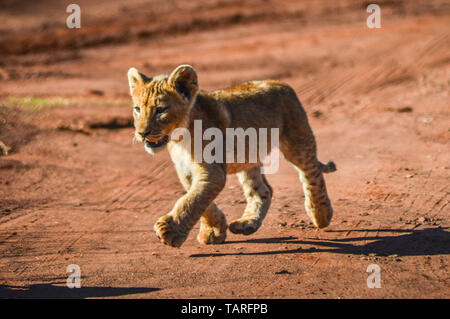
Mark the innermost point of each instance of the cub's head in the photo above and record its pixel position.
(161, 104)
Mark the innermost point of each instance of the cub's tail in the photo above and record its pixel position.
(328, 167)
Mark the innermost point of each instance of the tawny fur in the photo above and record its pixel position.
(256, 104)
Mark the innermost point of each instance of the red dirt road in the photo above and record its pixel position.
(75, 190)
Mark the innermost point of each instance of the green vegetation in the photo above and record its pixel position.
(37, 103)
(45, 103)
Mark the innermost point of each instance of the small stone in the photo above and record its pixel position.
(421, 220)
(405, 109)
(97, 92)
(283, 272)
(317, 114)
(427, 119)
(364, 214)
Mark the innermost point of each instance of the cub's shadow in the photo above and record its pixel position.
(429, 241)
(51, 291)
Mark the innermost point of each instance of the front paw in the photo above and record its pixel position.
(169, 231)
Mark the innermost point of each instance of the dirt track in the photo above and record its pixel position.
(75, 190)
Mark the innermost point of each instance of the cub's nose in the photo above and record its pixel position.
(144, 134)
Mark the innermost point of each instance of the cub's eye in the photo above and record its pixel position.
(161, 110)
(137, 109)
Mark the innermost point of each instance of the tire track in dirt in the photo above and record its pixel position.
(392, 70)
(124, 193)
(342, 83)
(114, 202)
(388, 71)
(135, 187)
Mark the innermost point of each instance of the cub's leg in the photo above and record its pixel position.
(213, 226)
(206, 181)
(213, 223)
(258, 193)
(303, 155)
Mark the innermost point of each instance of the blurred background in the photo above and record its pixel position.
(325, 45)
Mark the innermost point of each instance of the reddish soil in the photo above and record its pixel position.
(75, 190)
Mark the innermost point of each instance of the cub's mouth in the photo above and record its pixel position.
(160, 143)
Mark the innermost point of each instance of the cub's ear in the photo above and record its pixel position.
(184, 80)
(135, 79)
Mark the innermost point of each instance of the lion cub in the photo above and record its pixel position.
(164, 103)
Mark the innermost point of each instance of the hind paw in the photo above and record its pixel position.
(244, 226)
(211, 235)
